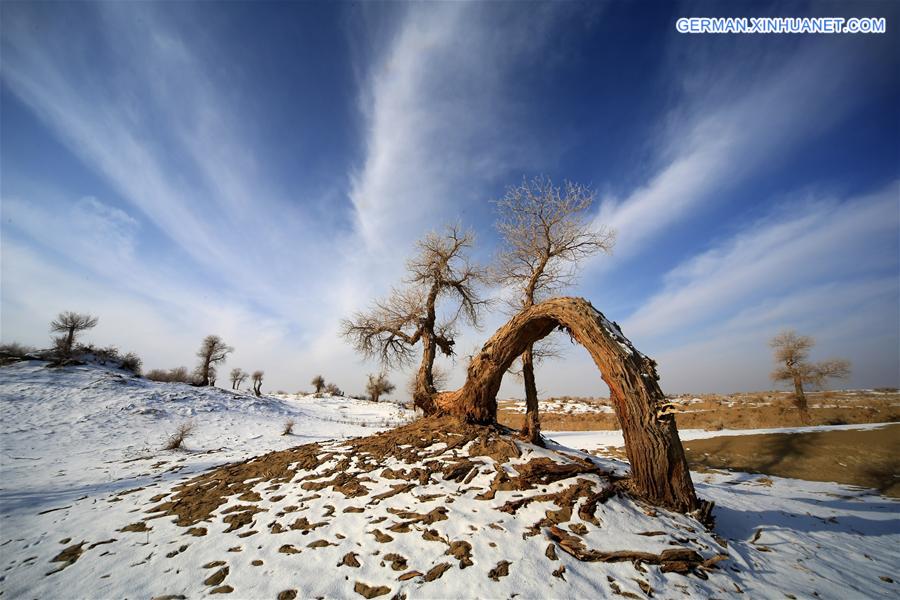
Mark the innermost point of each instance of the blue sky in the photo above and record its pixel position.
(261, 170)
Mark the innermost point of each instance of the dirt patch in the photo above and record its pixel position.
(369, 591)
(196, 499)
(68, 556)
(501, 570)
(867, 458)
(744, 410)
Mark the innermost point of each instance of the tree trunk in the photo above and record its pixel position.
(800, 400)
(423, 397)
(659, 470)
(531, 428)
(70, 341)
(205, 372)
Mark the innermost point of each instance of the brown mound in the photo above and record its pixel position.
(198, 498)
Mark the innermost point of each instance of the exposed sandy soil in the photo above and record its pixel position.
(868, 458)
(755, 410)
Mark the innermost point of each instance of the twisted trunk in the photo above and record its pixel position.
(659, 470)
(424, 394)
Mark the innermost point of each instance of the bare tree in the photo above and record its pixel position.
(546, 231)
(213, 374)
(319, 383)
(791, 354)
(378, 385)
(212, 351)
(392, 327)
(70, 324)
(237, 377)
(256, 380)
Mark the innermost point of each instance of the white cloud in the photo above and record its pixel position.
(441, 116)
(792, 248)
(713, 140)
(159, 129)
(856, 320)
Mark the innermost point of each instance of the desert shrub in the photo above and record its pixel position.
(14, 352)
(17, 350)
(181, 432)
(176, 375)
(132, 362)
(157, 375)
(333, 390)
(288, 427)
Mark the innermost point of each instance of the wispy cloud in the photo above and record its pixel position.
(719, 133)
(821, 265)
(794, 247)
(158, 129)
(442, 118)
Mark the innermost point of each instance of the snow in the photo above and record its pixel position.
(593, 440)
(78, 441)
(559, 405)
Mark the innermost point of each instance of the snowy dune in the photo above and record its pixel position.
(81, 462)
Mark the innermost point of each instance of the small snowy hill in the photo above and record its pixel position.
(88, 429)
(90, 507)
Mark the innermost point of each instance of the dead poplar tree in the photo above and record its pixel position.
(237, 377)
(212, 351)
(377, 386)
(319, 383)
(791, 354)
(390, 330)
(546, 231)
(70, 324)
(256, 381)
(659, 469)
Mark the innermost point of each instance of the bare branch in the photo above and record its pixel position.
(439, 272)
(791, 354)
(390, 329)
(546, 232)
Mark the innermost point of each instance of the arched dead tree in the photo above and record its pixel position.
(659, 470)
(546, 233)
(392, 327)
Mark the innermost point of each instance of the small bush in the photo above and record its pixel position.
(14, 352)
(333, 390)
(132, 362)
(176, 375)
(16, 349)
(177, 439)
(288, 427)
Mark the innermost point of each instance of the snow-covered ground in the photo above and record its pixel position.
(89, 430)
(81, 460)
(572, 406)
(595, 440)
